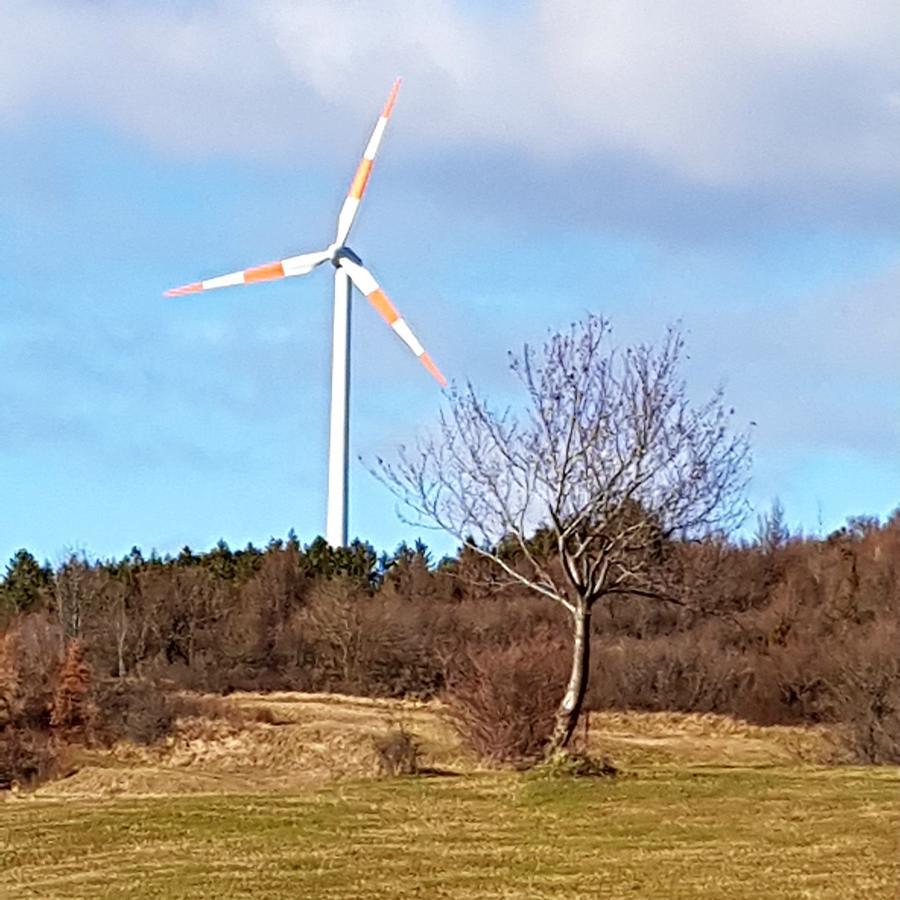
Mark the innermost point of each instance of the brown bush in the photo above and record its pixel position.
(28, 756)
(29, 661)
(135, 710)
(73, 708)
(347, 641)
(692, 672)
(502, 700)
(873, 718)
(30, 655)
(863, 693)
(144, 712)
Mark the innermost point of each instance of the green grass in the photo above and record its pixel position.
(761, 834)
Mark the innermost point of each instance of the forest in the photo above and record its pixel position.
(776, 628)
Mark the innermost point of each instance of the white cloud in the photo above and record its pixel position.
(718, 92)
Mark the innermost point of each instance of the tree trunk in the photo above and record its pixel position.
(570, 708)
(121, 635)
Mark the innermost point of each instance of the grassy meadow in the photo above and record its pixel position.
(743, 828)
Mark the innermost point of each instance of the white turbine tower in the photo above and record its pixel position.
(348, 272)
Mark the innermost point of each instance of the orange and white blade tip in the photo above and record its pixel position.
(366, 284)
(193, 288)
(302, 264)
(350, 206)
(364, 170)
(267, 272)
(389, 106)
(428, 362)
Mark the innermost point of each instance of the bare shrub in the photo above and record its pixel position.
(331, 628)
(687, 673)
(398, 752)
(865, 696)
(28, 756)
(347, 641)
(398, 654)
(502, 700)
(136, 711)
(872, 716)
(144, 712)
(29, 661)
(217, 709)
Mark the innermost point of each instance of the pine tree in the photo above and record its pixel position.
(24, 584)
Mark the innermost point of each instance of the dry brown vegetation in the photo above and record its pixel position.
(291, 741)
(271, 743)
(779, 631)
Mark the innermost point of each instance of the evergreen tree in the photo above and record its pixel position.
(24, 583)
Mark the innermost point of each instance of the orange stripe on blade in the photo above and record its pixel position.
(361, 179)
(264, 273)
(193, 288)
(428, 362)
(390, 100)
(385, 308)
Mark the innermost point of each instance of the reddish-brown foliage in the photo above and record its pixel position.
(73, 708)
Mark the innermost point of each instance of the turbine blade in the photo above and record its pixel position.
(284, 268)
(364, 281)
(364, 170)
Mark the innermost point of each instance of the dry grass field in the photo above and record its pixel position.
(706, 807)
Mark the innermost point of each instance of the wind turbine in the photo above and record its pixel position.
(348, 272)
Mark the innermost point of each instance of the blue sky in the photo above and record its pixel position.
(732, 166)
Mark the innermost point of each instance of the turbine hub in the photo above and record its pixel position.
(344, 253)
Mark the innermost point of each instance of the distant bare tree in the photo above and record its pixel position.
(577, 498)
(75, 585)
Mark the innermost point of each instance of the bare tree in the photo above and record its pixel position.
(72, 590)
(577, 497)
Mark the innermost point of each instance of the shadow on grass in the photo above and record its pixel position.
(432, 772)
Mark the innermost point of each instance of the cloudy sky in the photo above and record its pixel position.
(731, 165)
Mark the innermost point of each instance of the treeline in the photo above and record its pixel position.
(778, 629)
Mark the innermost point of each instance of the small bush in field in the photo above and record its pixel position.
(502, 701)
(398, 752)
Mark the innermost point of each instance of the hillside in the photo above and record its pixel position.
(311, 739)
